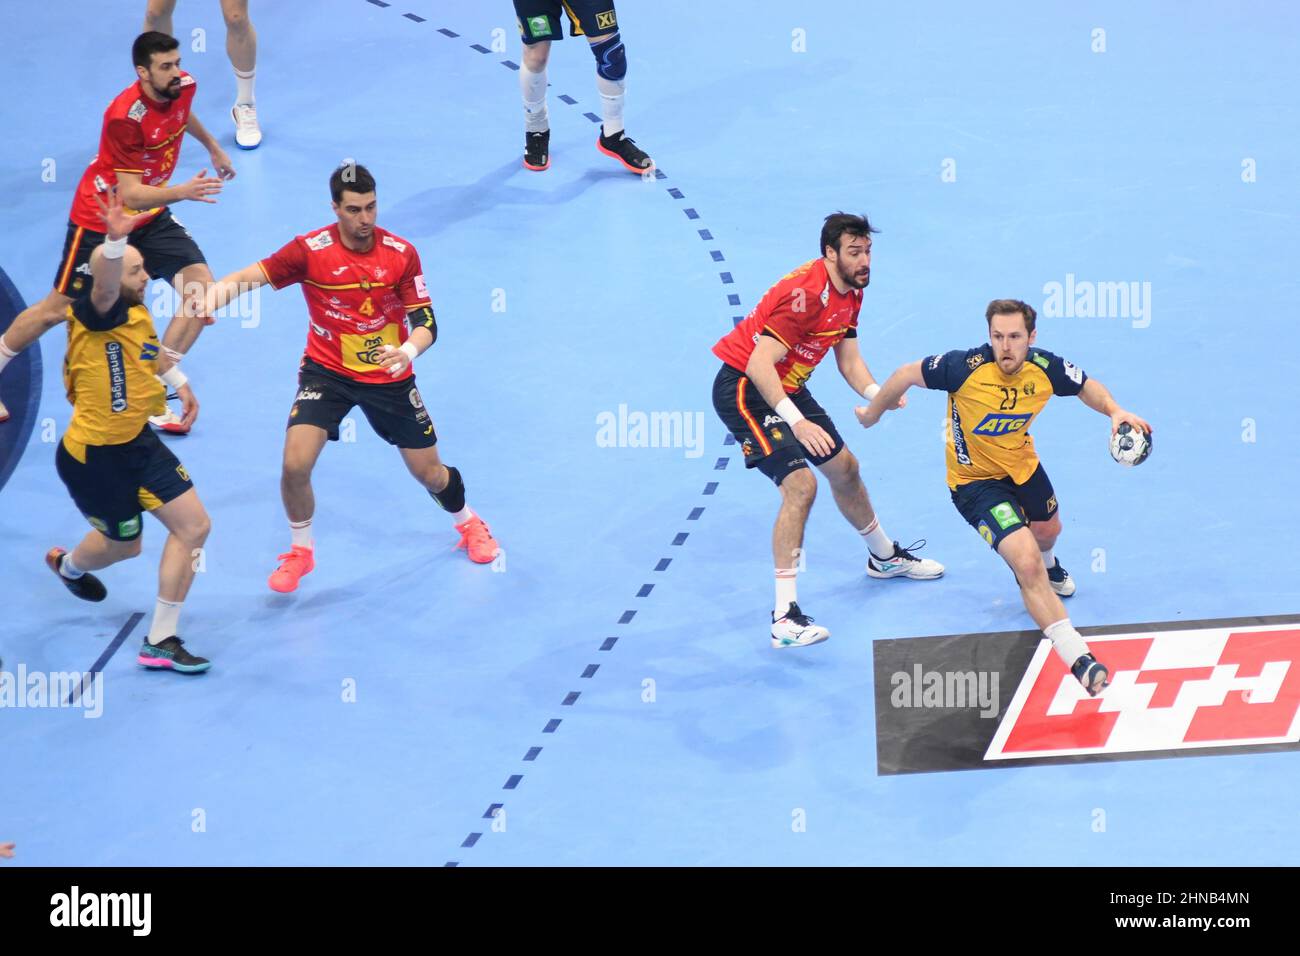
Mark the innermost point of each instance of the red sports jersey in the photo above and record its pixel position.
(805, 313)
(139, 136)
(356, 301)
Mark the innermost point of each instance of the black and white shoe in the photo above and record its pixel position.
(1060, 579)
(796, 629)
(537, 150)
(1093, 675)
(627, 152)
(903, 563)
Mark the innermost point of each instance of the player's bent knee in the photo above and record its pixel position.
(799, 487)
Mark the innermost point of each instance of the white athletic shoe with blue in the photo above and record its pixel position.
(1060, 579)
(904, 564)
(796, 629)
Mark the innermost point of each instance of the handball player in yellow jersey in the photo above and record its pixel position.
(996, 480)
(112, 463)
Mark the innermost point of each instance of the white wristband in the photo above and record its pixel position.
(174, 377)
(409, 348)
(114, 248)
(787, 410)
(871, 391)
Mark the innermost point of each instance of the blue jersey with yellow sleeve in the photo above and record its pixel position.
(990, 412)
(108, 373)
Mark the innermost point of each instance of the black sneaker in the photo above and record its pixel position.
(171, 655)
(537, 150)
(627, 152)
(1061, 581)
(1092, 675)
(87, 587)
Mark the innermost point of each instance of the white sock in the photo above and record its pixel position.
(1049, 559)
(68, 569)
(301, 533)
(785, 590)
(461, 516)
(6, 353)
(166, 617)
(611, 104)
(244, 87)
(1069, 643)
(533, 87)
(879, 544)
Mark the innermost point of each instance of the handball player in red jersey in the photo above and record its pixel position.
(139, 148)
(761, 395)
(365, 289)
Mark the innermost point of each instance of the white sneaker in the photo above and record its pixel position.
(4, 413)
(169, 422)
(247, 133)
(904, 563)
(796, 629)
(1060, 579)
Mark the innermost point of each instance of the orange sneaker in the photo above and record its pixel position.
(476, 538)
(293, 566)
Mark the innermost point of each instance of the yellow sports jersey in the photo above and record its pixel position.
(990, 412)
(108, 373)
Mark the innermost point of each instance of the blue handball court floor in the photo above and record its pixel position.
(606, 693)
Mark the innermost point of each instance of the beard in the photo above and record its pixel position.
(851, 280)
(171, 91)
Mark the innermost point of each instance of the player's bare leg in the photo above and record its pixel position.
(611, 73)
(1046, 533)
(187, 524)
(1020, 550)
(888, 559)
(241, 47)
(447, 488)
(537, 123)
(302, 447)
(790, 626)
(95, 552)
(191, 285)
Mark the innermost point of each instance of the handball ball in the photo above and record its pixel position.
(1130, 446)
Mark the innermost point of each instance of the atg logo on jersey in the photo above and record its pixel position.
(995, 423)
(1170, 690)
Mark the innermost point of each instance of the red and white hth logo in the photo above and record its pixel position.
(1172, 690)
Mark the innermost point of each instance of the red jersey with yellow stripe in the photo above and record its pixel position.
(139, 136)
(805, 313)
(356, 301)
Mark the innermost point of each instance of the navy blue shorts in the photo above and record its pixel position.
(765, 438)
(540, 19)
(998, 506)
(112, 484)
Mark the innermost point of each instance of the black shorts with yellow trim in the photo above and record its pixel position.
(166, 246)
(766, 440)
(995, 507)
(540, 19)
(395, 411)
(112, 484)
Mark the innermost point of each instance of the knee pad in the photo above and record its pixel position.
(451, 498)
(611, 58)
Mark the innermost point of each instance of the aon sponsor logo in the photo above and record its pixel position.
(998, 423)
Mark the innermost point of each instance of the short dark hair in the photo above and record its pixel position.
(843, 223)
(353, 177)
(1010, 307)
(147, 44)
